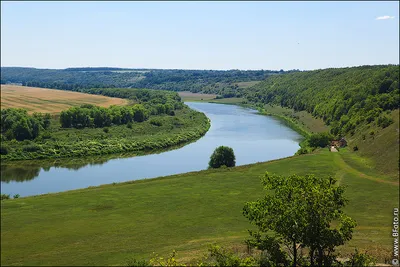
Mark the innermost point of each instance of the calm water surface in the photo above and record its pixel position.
(253, 137)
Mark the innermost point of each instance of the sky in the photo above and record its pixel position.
(199, 35)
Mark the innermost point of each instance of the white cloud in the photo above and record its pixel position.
(385, 17)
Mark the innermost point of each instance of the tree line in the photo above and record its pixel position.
(93, 116)
(211, 81)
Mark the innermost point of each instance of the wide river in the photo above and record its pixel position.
(253, 137)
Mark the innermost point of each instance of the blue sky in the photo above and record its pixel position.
(199, 35)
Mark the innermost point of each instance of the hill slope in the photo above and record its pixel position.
(359, 103)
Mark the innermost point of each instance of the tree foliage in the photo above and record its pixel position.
(17, 124)
(300, 211)
(343, 97)
(222, 156)
(320, 139)
(93, 116)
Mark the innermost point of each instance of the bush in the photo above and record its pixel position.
(4, 150)
(355, 148)
(304, 150)
(129, 125)
(4, 196)
(31, 148)
(156, 122)
(16, 196)
(360, 259)
(106, 130)
(222, 155)
(135, 263)
(384, 121)
(46, 135)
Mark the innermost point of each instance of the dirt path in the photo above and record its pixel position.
(338, 160)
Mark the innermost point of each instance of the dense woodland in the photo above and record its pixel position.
(344, 98)
(155, 120)
(207, 81)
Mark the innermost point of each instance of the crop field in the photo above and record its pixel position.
(50, 101)
(189, 96)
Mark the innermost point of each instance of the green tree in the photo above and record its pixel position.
(140, 113)
(300, 211)
(22, 129)
(222, 155)
(320, 139)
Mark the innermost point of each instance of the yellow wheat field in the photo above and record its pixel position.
(49, 100)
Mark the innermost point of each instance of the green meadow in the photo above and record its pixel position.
(110, 224)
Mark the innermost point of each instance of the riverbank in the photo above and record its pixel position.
(108, 224)
(160, 132)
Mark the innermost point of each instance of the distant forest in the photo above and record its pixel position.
(223, 83)
(344, 97)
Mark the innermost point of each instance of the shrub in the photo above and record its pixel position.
(360, 259)
(222, 155)
(303, 150)
(31, 148)
(129, 125)
(384, 121)
(47, 135)
(156, 122)
(135, 262)
(5, 196)
(106, 129)
(16, 196)
(355, 148)
(4, 150)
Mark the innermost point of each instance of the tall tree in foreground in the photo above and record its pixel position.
(299, 212)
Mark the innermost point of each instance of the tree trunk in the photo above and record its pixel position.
(294, 254)
(320, 256)
(312, 256)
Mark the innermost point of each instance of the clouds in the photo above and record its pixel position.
(384, 17)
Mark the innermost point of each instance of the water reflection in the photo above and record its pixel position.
(20, 171)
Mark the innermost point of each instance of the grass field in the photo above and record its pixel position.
(379, 145)
(306, 119)
(107, 225)
(50, 101)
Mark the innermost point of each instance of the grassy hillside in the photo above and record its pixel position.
(379, 145)
(358, 103)
(106, 225)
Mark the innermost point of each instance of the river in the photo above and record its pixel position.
(253, 137)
